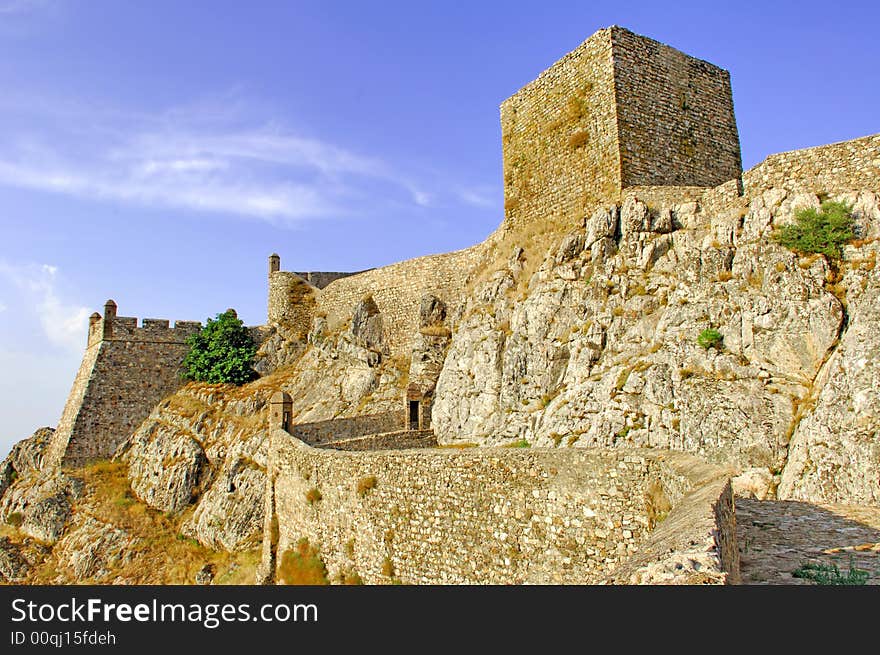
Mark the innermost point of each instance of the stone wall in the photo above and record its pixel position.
(291, 301)
(834, 168)
(696, 542)
(397, 440)
(559, 137)
(474, 516)
(125, 371)
(339, 429)
(321, 279)
(398, 290)
(675, 119)
(621, 110)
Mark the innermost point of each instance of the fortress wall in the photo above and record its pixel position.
(834, 168)
(121, 377)
(675, 119)
(399, 440)
(75, 401)
(398, 290)
(291, 301)
(321, 279)
(472, 516)
(322, 432)
(559, 138)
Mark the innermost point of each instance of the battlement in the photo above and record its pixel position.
(127, 368)
(111, 327)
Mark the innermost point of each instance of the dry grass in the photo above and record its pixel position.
(160, 554)
(365, 485)
(435, 331)
(302, 565)
(579, 139)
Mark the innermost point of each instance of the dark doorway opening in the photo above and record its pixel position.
(413, 414)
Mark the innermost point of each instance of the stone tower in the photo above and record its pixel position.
(619, 111)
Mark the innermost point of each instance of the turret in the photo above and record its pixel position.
(274, 263)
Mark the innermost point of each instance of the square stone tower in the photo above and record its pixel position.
(621, 110)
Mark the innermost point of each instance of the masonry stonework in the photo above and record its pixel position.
(833, 168)
(125, 371)
(398, 290)
(621, 110)
(476, 516)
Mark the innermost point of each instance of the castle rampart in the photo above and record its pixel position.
(125, 371)
(291, 301)
(398, 290)
(496, 516)
(834, 168)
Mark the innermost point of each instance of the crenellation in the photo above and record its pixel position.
(155, 323)
(126, 370)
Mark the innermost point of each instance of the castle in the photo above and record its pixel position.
(620, 114)
(620, 117)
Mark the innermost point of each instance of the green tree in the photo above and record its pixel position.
(222, 352)
(823, 231)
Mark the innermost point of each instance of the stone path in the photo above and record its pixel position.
(778, 536)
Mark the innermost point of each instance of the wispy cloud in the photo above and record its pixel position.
(206, 161)
(63, 323)
(22, 6)
(480, 196)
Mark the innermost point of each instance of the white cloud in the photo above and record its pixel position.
(484, 197)
(21, 6)
(203, 159)
(63, 323)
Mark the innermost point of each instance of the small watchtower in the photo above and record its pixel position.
(280, 411)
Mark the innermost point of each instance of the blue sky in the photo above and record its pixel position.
(157, 152)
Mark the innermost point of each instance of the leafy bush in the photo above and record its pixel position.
(222, 352)
(829, 574)
(15, 519)
(302, 566)
(710, 338)
(823, 231)
(313, 495)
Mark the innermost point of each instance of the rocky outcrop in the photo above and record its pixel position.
(366, 325)
(13, 566)
(42, 504)
(835, 450)
(93, 549)
(166, 467)
(599, 346)
(25, 457)
(229, 516)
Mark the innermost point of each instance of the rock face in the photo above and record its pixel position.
(166, 467)
(835, 450)
(25, 457)
(229, 515)
(366, 324)
(41, 503)
(599, 345)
